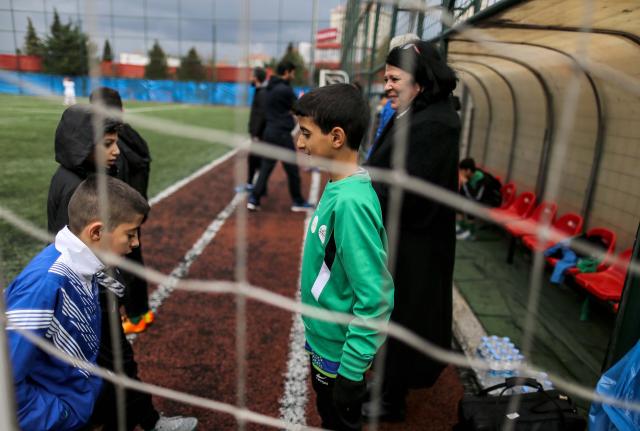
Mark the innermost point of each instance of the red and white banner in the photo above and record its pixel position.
(327, 35)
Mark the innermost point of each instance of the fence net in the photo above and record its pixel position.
(552, 141)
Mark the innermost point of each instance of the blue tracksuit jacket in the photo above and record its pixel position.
(56, 297)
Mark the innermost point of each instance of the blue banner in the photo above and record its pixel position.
(211, 93)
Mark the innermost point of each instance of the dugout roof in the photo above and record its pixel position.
(518, 58)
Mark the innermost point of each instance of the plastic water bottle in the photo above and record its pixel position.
(502, 358)
(544, 380)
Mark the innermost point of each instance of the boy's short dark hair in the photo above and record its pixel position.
(285, 66)
(109, 96)
(337, 105)
(260, 74)
(468, 163)
(124, 202)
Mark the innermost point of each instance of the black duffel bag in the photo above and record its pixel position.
(541, 410)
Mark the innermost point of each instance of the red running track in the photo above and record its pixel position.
(191, 346)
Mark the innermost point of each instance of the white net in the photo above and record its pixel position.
(469, 50)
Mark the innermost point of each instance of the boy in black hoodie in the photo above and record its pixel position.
(79, 157)
(279, 124)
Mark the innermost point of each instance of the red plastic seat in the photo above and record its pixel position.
(609, 238)
(544, 213)
(508, 192)
(570, 224)
(607, 285)
(520, 209)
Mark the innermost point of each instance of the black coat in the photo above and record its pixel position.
(278, 105)
(257, 119)
(73, 146)
(74, 143)
(133, 165)
(423, 273)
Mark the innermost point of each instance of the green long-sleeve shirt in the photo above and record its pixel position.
(344, 269)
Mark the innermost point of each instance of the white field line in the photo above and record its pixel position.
(293, 404)
(179, 184)
(60, 110)
(160, 108)
(179, 272)
(10, 110)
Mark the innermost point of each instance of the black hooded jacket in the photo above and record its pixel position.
(278, 105)
(74, 143)
(133, 165)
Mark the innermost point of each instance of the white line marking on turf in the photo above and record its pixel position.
(160, 108)
(293, 404)
(179, 184)
(62, 108)
(162, 292)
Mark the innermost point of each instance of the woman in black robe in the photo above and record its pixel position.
(419, 84)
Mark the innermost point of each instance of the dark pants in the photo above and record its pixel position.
(139, 408)
(282, 140)
(333, 418)
(136, 297)
(254, 163)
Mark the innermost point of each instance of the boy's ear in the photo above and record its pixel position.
(94, 230)
(338, 137)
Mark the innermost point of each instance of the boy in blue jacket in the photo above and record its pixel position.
(56, 297)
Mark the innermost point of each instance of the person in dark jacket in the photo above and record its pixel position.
(419, 84)
(257, 121)
(477, 185)
(79, 157)
(132, 167)
(279, 125)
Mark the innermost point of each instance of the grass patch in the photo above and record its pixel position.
(27, 133)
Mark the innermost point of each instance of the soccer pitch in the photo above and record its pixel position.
(27, 133)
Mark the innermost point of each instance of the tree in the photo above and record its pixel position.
(191, 68)
(294, 57)
(65, 49)
(157, 67)
(32, 44)
(107, 54)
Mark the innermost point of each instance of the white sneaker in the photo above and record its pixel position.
(463, 235)
(302, 207)
(176, 423)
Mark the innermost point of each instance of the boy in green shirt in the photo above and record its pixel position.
(345, 255)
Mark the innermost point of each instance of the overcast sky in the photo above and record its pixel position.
(177, 24)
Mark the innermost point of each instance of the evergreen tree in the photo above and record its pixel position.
(191, 68)
(107, 54)
(65, 49)
(294, 57)
(157, 67)
(32, 44)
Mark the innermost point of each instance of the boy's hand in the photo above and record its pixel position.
(348, 392)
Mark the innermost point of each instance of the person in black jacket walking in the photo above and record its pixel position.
(257, 121)
(79, 157)
(279, 124)
(419, 84)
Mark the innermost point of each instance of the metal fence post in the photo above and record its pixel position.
(7, 402)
